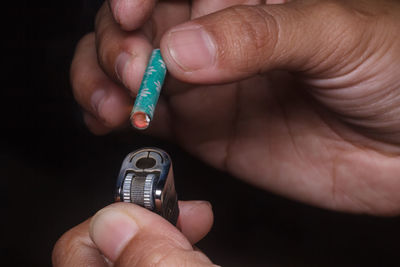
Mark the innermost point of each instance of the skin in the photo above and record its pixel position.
(300, 98)
(124, 234)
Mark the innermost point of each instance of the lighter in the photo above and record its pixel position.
(146, 179)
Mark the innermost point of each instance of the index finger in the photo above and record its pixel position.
(131, 14)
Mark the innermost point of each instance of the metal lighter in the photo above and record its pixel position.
(146, 179)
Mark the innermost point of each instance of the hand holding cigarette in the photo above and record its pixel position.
(300, 98)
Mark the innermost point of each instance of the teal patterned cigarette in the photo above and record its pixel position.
(146, 100)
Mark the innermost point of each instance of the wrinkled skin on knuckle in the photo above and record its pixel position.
(176, 257)
(344, 37)
(357, 17)
(148, 250)
(67, 248)
(145, 251)
(59, 251)
(245, 35)
(183, 258)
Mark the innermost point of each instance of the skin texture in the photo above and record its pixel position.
(300, 98)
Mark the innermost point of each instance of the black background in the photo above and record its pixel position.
(55, 174)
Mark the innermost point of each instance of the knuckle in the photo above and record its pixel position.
(158, 251)
(83, 77)
(176, 257)
(84, 44)
(77, 79)
(145, 252)
(86, 40)
(104, 44)
(58, 252)
(65, 249)
(81, 83)
(342, 12)
(186, 258)
(249, 35)
(162, 255)
(161, 258)
(257, 25)
(105, 39)
(341, 31)
(105, 57)
(101, 14)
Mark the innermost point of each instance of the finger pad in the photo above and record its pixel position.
(195, 220)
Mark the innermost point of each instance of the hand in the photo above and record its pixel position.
(324, 129)
(127, 235)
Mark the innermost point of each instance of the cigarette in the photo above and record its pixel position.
(149, 92)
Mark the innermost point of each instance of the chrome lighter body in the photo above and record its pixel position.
(146, 179)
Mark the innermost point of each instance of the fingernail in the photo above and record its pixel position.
(120, 65)
(111, 230)
(192, 48)
(97, 101)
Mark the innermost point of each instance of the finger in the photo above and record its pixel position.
(129, 235)
(131, 14)
(241, 41)
(123, 56)
(108, 103)
(195, 219)
(76, 248)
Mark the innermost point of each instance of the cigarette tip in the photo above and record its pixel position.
(140, 120)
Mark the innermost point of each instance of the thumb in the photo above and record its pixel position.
(129, 235)
(241, 41)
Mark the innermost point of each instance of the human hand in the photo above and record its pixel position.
(324, 130)
(128, 235)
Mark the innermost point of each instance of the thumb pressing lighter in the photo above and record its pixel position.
(146, 179)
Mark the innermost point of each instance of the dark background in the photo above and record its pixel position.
(55, 174)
